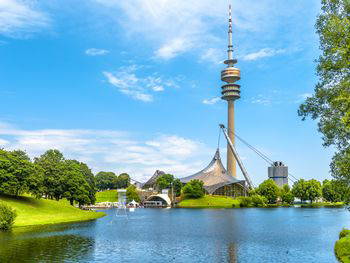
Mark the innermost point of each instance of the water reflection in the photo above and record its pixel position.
(16, 247)
(184, 235)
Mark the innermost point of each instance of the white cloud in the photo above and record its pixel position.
(172, 48)
(303, 97)
(213, 55)
(263, 53)
(113, 150)
(176, 26)
(129, 83)
(20, 18)
(96, 52)
(211, 101)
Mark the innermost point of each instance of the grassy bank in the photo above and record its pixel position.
(31, 211)
(107, 196)
(209, 201)
(342, 246)
(324, 204)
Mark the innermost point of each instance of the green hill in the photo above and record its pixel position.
(31, 211)
(210, 201)
(107, 196)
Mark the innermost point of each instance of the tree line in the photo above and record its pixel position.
(52, 176)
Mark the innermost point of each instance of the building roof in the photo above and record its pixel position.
(213, 176)
(152, 181)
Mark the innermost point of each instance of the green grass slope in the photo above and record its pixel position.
(31, 211)
(210, 201)
(107, 196)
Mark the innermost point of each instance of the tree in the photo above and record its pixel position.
(269, 190)
(17, 173)
(334, 191)
(194, 189)
(77, 186)
(122, 181)
(330, 103)
(177, 186)
(131, 194)
(105, 180)
(52, 165)
(313, 188)
(287, 196)
(299, 190)
(164, 181)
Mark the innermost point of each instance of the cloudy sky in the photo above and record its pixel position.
(133, 86)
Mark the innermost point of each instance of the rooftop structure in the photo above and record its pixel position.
(216, 180)
(230, 92)
(151, 183)
(279, 173)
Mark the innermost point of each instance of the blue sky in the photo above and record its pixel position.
(134, 86)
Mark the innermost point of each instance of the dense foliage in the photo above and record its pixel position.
(109, 180)
(307, 190)
(194, 189)
(131, 194)
(18, 174)
(269, 190)
(335, 191)
(7, 216)
(168, 181)
(50, 176)
(342, 246)
(330, 103)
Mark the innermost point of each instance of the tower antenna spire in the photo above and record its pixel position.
(230, 61)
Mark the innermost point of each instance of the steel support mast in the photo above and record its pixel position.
(235, 154)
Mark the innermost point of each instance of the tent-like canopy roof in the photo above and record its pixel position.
(213, 176)
(151, 182)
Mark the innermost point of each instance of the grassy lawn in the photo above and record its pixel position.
(107, 196)
(210, 201)
(31, 211)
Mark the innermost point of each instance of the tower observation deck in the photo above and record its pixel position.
(230, 92)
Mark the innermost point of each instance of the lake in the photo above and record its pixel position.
(185, 235)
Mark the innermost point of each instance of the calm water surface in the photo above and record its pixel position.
(185, 235)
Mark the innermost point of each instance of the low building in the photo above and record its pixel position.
(279, 173)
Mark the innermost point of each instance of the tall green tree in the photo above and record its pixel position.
(131, 194)
(335, 191)
(122, 181)
(330, 103)
(105, 180)
(314, 190)
(18, 174)
(52, 164)
(269, 190)
(299, 190)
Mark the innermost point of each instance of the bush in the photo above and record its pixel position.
(344, 233)
(245, 201)
(270, 190)
(7, 217)
(194, 189)
(258, 200)
(342, 249)
(287, 198)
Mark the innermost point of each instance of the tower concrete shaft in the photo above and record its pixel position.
(231, 161)
(230, 92)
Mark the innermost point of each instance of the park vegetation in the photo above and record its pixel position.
(342, 246)
(168, 181)
(7, 216)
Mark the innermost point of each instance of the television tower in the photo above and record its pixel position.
(230, 92)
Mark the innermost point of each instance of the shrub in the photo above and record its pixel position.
(258, 200)
(342, 249)
(7, 217)
(287, 198)
(344, 233)
(245, 201)
(194, 189)
(270, 190)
